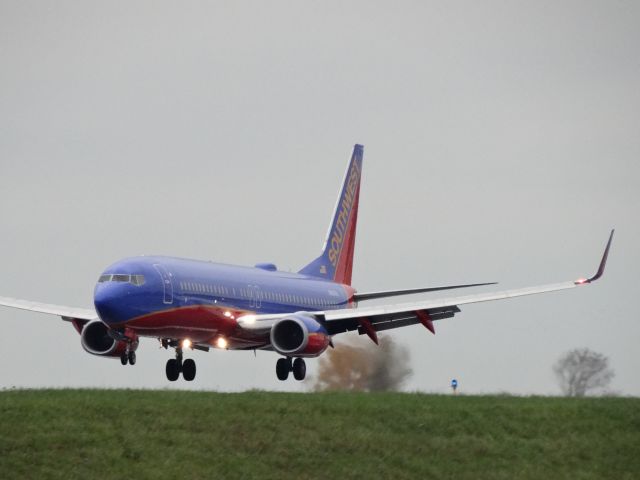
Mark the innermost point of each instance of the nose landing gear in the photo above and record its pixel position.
(130, 340)
(286, 365)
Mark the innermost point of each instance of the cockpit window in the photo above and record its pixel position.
(136, 280)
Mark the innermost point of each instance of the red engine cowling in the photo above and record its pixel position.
(299, 336)
(95, 339)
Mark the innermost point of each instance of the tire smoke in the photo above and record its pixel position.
(360, 365)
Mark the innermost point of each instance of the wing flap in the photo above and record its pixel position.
(389, 321)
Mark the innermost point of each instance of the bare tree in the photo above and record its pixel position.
(582, 370)
(360, 365)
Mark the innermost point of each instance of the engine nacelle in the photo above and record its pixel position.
(299, 335)
(95, 339)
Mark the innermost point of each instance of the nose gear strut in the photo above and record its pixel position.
(130, 339)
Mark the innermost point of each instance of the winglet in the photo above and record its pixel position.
(603, 263)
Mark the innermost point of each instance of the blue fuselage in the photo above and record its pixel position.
(169, 297)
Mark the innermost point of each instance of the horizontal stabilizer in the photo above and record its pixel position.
(357, 297)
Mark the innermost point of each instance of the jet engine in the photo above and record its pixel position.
(95, 339)
(300, 336)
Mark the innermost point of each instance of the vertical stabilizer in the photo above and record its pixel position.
(336, 261)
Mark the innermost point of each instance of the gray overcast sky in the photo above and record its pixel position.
(501, 139)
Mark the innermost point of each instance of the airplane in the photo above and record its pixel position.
(199, 305)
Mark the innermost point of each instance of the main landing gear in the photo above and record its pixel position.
(128, 357)
(286, 365)
(175, 366)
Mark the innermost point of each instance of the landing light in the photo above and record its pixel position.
(247, 319)
(227, 313)
(221, 342)
(186, 343)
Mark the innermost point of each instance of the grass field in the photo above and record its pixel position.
(161, 434)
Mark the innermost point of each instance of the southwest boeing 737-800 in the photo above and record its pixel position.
(189, 304)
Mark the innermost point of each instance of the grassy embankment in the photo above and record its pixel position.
(162, 434)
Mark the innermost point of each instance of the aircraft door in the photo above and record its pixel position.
(167, 283)
(255, 296)
(258, 297)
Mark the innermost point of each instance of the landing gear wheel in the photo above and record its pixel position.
(124, 359)
(299, 369)
(132, 358)
(283, 366)
(189, 369)
(173, 370)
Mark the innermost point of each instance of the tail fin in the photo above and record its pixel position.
(336, 261)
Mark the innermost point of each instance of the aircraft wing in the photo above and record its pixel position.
(65, 312)
(373, 319)
(369, 320)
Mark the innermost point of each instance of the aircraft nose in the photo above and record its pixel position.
(108, 304)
